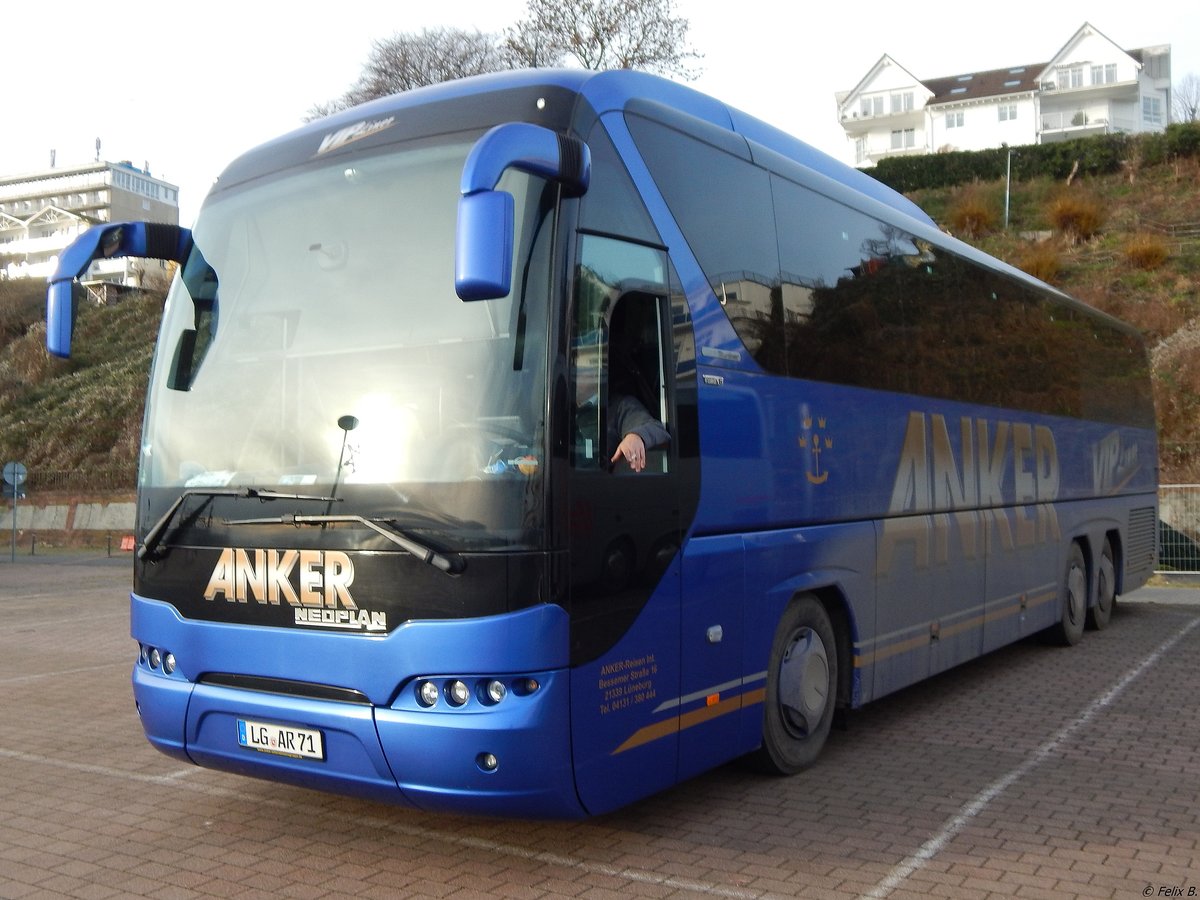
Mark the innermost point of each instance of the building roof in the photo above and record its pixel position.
(980, 85)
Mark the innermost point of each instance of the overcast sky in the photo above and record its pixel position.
(187, 87)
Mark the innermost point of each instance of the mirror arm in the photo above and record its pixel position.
(529, 148)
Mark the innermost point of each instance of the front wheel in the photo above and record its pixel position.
(801, 688)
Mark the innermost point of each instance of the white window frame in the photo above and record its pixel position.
(1070, 77)
(1008, 112)
(954, 119)
(871, 107)
(901, 102)
(1152, 110)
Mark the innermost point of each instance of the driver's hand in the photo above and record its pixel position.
(633, 449)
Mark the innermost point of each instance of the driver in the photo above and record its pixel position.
(631, 429)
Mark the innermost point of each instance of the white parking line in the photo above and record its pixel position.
(38, 676)
(980, 801)
(89, 769)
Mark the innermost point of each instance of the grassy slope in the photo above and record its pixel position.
(81, 415)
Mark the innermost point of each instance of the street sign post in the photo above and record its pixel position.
(14, 475)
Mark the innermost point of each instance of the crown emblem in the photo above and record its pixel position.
(816, 442)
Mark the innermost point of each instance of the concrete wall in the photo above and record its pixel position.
(69, 516)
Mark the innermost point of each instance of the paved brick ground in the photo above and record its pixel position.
(1035, 772)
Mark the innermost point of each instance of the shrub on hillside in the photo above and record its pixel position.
(1146, 251)
(1041, 260)
(1076, 216)
(971, 215)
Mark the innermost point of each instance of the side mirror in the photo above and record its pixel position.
(147, 240)
(484, 242)
(484, 246)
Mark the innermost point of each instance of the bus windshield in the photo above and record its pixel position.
(313, 343)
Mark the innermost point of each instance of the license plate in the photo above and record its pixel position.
(284, 740)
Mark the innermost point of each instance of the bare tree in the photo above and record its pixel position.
(595, 34)
(1186, 101)
(605, 34)
(406, 61)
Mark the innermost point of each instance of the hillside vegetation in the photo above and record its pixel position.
(1127, 243)
(76, 423)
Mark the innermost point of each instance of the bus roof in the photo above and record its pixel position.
(382, 121)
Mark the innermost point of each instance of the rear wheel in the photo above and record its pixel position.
(1073, 594)
(801, 688)
(1106, 589)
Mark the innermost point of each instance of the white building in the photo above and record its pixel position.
(41, 213)
(1090, 86)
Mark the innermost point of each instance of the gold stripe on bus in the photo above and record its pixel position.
(691, 719)
(700, 715)
(863, 658)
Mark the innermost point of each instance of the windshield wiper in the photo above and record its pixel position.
(155, 535)
(450, 563)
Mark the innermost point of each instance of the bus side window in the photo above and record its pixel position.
(617, 345)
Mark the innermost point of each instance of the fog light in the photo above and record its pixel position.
(457, 693)
(155, 657)
(488, 762)
(496, 691)
(427, 693)
(531, 686)
(168, 663)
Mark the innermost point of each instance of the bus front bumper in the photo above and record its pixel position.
(509, 757)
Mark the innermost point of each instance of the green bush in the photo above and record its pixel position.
(1098, 155)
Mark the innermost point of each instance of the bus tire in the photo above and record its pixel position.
(1073, 593)
(1106, 590)
(801, 690)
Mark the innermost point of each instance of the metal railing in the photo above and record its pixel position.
(121, 479)
(1179, 528)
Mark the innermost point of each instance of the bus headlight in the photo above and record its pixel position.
(496, 690)
(457, 693)
(427, 693)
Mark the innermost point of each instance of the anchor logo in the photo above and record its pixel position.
(816, 443)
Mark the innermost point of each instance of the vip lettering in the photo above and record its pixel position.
(1113, 464)
(352, 133)
(322, 578)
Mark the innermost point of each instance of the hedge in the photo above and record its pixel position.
(1099, 155)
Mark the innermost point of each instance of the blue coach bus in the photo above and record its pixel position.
(383, 547)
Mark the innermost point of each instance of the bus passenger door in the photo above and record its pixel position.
(712, 694)
(624, 526)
